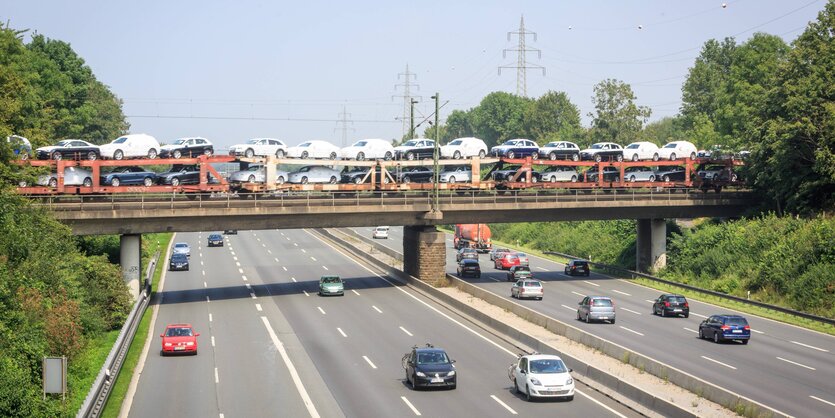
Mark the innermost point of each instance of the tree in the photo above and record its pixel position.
(616, 118)
(704, 87)
(662, 131)
(551, 115)
(499, 117)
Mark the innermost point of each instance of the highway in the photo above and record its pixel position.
(785, 367)
(269, 346)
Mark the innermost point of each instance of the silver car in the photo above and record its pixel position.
(73, 176)
(527, 289)
(557, 173)
(314, 174)
(182, 248)
(257, 174)
(458, 174)
(639, 174)
(596, 308)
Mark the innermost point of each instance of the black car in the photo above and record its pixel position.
(178, 262)
(361, 175)
(180, 175)
(73, 149)
(610, 174)
(429, 367)
(519, 272)
(415, 149)
(671, 305)
(466, 252)
(468, 266)
(419, 174)
(725, 327)
(670, 174)
(215, 240)
(187, 147)
(125, 176)
(575, 267)
(505, 174)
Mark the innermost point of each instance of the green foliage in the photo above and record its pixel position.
(663, 131)
(499, 117)
(616, 117)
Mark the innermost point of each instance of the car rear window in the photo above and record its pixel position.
(533, 284)
(580, 263)
(736, 321)
(678, 299)
(601, 302)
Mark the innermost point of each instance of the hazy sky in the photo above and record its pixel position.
(231, 70)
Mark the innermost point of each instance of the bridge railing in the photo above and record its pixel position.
(172, 201)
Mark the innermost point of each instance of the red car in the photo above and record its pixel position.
(179, 338)
(507, 260)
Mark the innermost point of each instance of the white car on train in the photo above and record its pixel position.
(368, 149)
(638, 151)
(261, 147)
(464, 148)
(314, 149)
(131, 146)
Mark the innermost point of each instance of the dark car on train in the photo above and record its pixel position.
(127, 176)
(71, 149)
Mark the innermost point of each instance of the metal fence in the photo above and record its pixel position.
(100, 391)
(635, 274)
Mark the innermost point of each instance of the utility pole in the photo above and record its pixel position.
(436, 156)
(522, 63)
(412, 120)
(343, 119)
(407, 85)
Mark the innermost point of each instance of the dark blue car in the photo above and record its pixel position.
(124, 176)
(516, 148)
(725, 327)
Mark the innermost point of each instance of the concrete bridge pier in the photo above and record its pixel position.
(130, 258)
(651, 245)
(424, 254)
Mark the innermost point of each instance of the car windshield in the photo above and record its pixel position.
(432, 357)
(736, 321)
(178, 142)
(633, 146)
(63, 143)
(253, 141)
(456, 142)
(180, 245)
(120, 140)
(178, 257)
(330, 280)
(410, 143)
(601, 302)
(360, 144)
(551, 144)
(304, 145)
(671, 145)
(597, 146)
(548, 366)
(214, 236)
(179, 332)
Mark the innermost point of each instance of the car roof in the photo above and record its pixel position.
(600, 297)
(183, 325)
(469, 261)
(730, 316)
(430, 350)
(538, 356)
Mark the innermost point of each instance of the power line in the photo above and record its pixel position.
(522, 63)
(407, 96)
(255, 118)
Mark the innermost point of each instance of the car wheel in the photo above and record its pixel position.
(575, 157)
(588, 318)
(598, 158)
(406, 180)
(251, 178)
(528, 396)
(56, 156)
(92, 156)
(673, 157)
(534, 156)
(552, 156)
(361, 156)
(511, 154)
(304, 155)
(456, 155)
(280, 180)
(175, 181)
(88, 182)
(651, 179)
(634, 157)
(208, 152)
(655, 157)
(357, 180)
(118, 155)
(333, 156)
(410, 156)
(452, 179)
(692, 155)
(715, 337)
(701, 334)
(304, 180)
(662, 312)
(744, 342)
(388, 156)
(613, 321)
(619, 157)
(666, 178)
(687, 315)
(482, 154)
(333, 180)
(632, 179)
(152, 153)
(115, 182)
(249, 153)
(578, 315)
(178, 154)
(279, 153)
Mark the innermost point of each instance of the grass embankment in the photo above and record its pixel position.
(782, 261)
(120, 388)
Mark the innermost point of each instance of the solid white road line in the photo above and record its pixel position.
(622, 293)
(593, 284)
(822, 400)
(719, 362)
(810, 346)
(369, 362)
(632, 331)
(325, 267)
(342, 332)
(796, 364)
(210, 317)
(376, 309)
(407, 332)
(305, 293)
(567, 307)
(691, 330)
(409, 404)
(258, 306)
(311, 409)
(213, 340)
(217, 379)
(695, 314)
(650, 301)
(355, 292)
(578, 294)
(503, 404)
(630, 310)
(321, 310)
(757, 331)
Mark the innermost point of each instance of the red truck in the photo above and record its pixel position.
(473, 236)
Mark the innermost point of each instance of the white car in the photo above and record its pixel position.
(602, 151)
(73, 176)
(637, 151)
(464, 148)
(541, 376)
(368, 149)
(314, 149)
(380, 232)
(314, 174)
(678, 150)
(460, 174)
(21, 147)
(182, 248)
(257, 174)
(261, 147)
(131, 146)
(560, 150)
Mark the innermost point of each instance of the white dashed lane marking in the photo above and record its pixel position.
(409, 404)
(593, 284)
(258, 306)
(810, 346)
(342, 332)
(622, 293)
(719, 362)
(355, 292)
(632, 331)
(567, 307)
(407, 332)
(369, 362)
(691, 330)
(578, 294)
(509, 409)
(822, 400)
(321, 310)
(796, 363)
(376, 309)
(630, 310)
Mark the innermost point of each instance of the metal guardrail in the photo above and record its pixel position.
(635, 274)
(148, 201)
(100, 391)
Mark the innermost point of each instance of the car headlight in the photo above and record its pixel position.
(452, 373)
(168, 344)
(421, 374)
(570, 381)
(535, 382)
